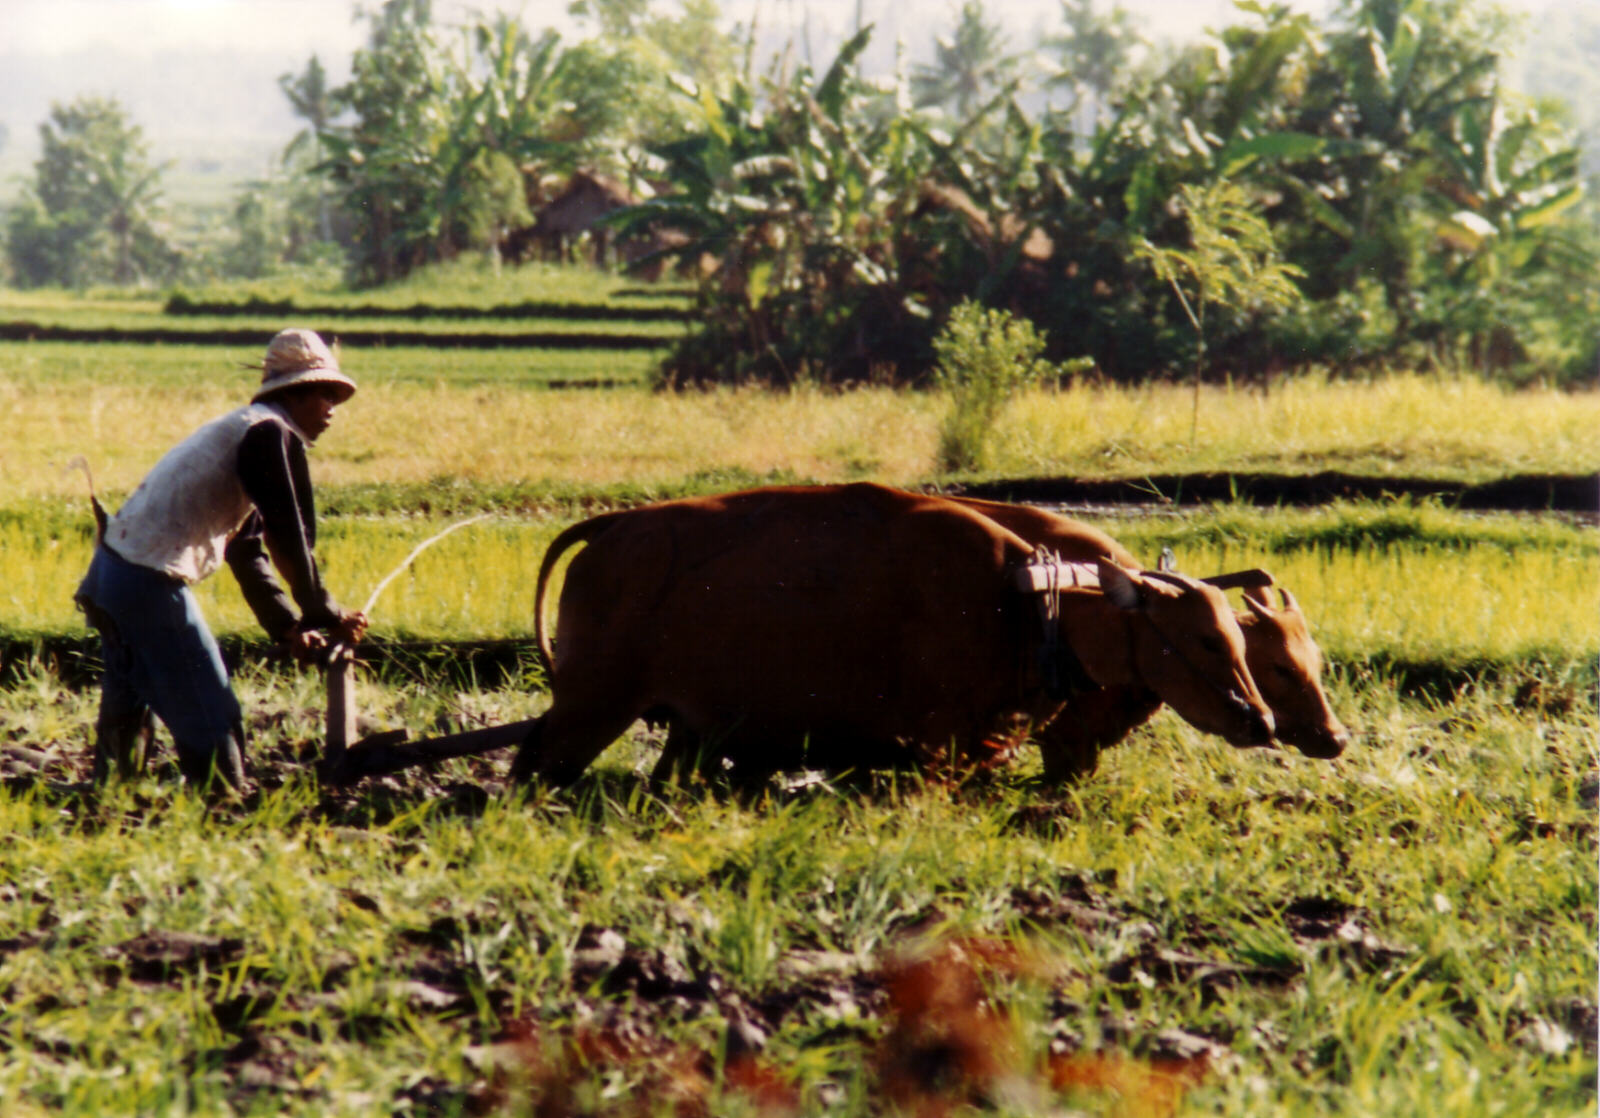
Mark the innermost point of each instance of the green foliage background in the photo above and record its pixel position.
(834, 217)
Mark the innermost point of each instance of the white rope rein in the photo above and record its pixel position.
(416, 551)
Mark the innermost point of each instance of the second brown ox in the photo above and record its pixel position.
(1284, 660)
(850, 626)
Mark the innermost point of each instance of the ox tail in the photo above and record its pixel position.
(581, 532)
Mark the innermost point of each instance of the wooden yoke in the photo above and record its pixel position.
(1048, 573)
(1253, 579)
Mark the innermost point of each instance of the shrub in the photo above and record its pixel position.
(984, 357)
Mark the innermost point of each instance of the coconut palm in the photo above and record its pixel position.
(1094, 54)
(969, 65)
(317, 103)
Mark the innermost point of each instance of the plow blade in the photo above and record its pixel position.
(389, 752)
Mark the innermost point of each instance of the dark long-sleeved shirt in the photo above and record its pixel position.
(281, 531)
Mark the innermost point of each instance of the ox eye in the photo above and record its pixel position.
(1285, 673)
(1211, 644)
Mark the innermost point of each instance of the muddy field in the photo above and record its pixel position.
(1048, 958)
(1408, 930)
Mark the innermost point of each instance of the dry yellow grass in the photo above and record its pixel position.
(1401, 424)
(397, 433)
(479, 583)
(401, 434)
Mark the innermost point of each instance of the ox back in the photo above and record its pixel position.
(831, 626)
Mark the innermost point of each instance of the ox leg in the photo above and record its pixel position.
(567, 739)
(681, 756)
(670, 761)
(1089, 723)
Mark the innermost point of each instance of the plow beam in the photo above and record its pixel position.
(390, 752)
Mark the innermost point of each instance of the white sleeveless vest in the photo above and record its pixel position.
(186, 509)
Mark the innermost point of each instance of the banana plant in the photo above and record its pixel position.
(795, 194)
(1507, 181)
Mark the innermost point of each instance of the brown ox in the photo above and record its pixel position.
(847, 627)
(1284, 660)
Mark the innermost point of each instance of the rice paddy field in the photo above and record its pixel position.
(1409, 929)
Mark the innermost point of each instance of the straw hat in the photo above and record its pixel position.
(299, 357)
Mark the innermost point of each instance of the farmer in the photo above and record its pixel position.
(237, 489)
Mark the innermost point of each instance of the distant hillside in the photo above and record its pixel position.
(218, 114)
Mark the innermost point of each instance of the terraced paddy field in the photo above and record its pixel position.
(1409, 929)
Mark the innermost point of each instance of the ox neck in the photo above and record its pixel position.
(1101, 637)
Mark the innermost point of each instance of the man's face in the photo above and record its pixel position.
(311, 408)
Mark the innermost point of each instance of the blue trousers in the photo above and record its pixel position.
(160, 656)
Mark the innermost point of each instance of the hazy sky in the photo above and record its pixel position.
(326, 26)
(200, 68)
(188, 69)
(299, 27)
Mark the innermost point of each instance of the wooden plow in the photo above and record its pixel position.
(346, 760)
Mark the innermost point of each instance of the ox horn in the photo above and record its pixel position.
(1251, 579)
(1171, 578)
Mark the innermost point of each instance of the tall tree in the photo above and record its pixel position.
(89, 214)
(386, 160)
(317, 103)
(617, 19)
(969, 65)
(1094, 54)
(443, 124)
(694, 43)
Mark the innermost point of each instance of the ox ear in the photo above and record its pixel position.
(1122, 587)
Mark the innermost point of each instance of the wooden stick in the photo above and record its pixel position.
(340, 728)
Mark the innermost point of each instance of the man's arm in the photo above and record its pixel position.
(247, 558)
(272, 468)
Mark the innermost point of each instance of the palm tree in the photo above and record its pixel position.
(968, 66)
(1095, 53)
(314, 100)
(131, 193)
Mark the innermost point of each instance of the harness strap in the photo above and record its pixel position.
(1063, 673)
